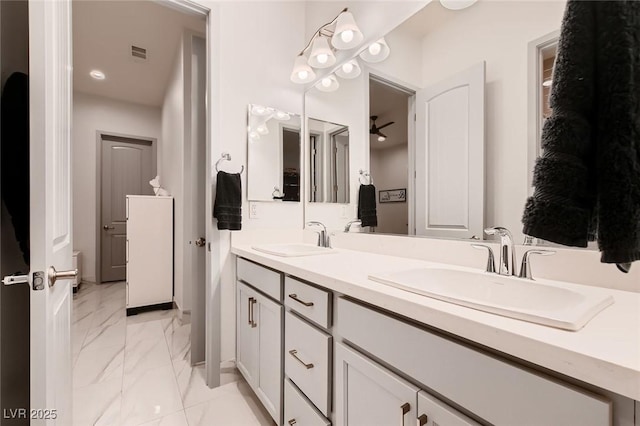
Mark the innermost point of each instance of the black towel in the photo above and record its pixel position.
(588, 178)
(15, 156)
(228, 205)
(367, 205)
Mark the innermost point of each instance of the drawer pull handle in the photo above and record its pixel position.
(252, 303)
(422, 420)
(295, 297)
(294, 353)
(405, 409)
(292, 422)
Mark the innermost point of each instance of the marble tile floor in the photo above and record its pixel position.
(135, 370)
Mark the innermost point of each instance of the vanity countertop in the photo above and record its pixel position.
(605, 353)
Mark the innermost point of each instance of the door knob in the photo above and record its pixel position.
(107, 227)
(200, 242)
(60, 275)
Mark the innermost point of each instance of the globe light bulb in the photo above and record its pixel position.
(262, 129)
(326, 82)
(347, 68)
(323, 58)
(381, 138)
(346, 36)
(375, 48)
(302, 75)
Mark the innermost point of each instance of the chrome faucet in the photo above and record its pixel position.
(323, 237)
(507, 259)
(347, 227)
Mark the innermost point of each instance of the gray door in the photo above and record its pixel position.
(127, 167)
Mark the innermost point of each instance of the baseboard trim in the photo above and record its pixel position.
(158, 306)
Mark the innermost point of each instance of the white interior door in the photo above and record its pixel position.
(450, 156)
(50, 69)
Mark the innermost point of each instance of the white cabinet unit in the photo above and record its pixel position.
(367, 394)
(149, 252)
(259, 343)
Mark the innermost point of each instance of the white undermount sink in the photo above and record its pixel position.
(532, 301)
(292, 250)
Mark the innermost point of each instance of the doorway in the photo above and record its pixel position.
(127, 165)
(390, 153)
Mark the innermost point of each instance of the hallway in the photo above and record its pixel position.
(135, 370)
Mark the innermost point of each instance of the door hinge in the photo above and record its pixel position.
(37, 281)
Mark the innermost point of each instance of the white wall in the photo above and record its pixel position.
(90, 115)
(389, 168)
(497, 32)
(253, 48)
(171, 168)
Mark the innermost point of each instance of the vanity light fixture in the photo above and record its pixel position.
(259, 110)
(344, 34)
(377, 51)
(321, 54)
(97, 75)
(328, 84)
(263, 129)
(349, 69)
(302, 72)
(254, 136)
(347, 34)
(282, 116)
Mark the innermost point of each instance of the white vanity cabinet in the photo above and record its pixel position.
(367, 394)
(259, 324)
(349, 363)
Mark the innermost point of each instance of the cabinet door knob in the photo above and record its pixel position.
(294, 353)
(405, 409)
(422, 420)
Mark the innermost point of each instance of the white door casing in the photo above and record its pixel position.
(450, 156)
(50, 98)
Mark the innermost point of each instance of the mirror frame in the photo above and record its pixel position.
(534, 97)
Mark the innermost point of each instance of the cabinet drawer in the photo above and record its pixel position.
(265, 280)
(482, 383)
(307, 360)
(310, 302)
(298, 410)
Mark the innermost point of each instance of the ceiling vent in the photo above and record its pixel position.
(139, 52)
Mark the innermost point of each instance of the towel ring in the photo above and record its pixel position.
(226, 157)
(366, 175)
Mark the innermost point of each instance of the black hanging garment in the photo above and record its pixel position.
(587, 182)
(14, 118)
(228, 204)
(367, 205)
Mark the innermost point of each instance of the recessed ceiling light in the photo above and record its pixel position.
(98, 75)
